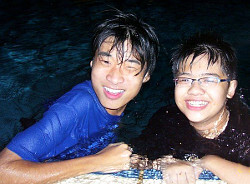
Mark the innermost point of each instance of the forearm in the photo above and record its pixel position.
(20, 171)
(13, 169)
(230, 172)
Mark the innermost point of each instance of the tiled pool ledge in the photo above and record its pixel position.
(95, 178)
(150, 176)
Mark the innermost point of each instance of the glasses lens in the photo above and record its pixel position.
(183, 81)
(209, 81)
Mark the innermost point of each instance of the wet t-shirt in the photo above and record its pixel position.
(76, 116)
(169, 132)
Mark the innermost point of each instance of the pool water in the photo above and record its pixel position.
(45, 51)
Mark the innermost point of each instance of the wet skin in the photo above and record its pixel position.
(203, 105)
(115, 79)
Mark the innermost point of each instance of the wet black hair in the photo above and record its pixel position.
(127, 27)
(210, 44)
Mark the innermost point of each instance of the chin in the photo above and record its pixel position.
(112, 106)
(194, 118)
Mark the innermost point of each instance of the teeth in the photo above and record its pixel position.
(197, 103)
(114, 91)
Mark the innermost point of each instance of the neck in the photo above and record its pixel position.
(214, 129)
(115, 112)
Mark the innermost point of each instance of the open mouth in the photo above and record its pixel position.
(113, 93)
(197, 103)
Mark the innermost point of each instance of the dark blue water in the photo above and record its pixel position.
(45, 50)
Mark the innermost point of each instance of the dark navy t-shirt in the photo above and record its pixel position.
(76, 116)
(169, 132)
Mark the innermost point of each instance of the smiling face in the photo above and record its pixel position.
(116, 79)
(203, 105)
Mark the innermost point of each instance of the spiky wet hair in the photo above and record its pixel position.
(127, 27)
(210, 44)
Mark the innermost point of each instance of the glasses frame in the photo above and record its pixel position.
(200, 83)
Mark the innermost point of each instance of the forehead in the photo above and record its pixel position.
(109, 45)
(200, 65)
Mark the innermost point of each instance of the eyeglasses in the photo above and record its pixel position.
(204, 81)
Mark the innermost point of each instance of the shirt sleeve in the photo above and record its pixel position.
(48, 137)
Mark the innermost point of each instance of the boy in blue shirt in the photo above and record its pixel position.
(125, 51)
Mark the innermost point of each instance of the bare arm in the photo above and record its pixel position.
(230, 172)
(13, 169)
(180, 172)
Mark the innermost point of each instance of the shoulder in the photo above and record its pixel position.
(80, 96)
(239, 115)
(73, 105)
(166, 120)
(167, 114)
(237, 133)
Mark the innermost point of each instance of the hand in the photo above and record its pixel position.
(115, 157)
(180, 172)
(140, 162)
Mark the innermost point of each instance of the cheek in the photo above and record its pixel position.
(178, 100)
(134, 84)
(133, 80)
(178, 93)
(97, 71)
(218, 95)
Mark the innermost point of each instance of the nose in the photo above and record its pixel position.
(195, 88)
(115, 75)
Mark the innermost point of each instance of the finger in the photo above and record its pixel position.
(190, 179)
(116, 144)
(134, 158)
(197, 172)
(190, 176)
(173, 178)
(125, 147)
(166, 178)
(130, 149)
(126, 153)
(126, 166)
(181, 178)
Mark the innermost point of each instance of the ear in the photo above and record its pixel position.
(91, 63)
(232, 88)
(146, 78)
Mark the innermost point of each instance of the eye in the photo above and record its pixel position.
(131, 67)
(209, 80)
(183, 80)
(105, 62)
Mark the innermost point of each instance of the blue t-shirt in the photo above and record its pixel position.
(76, 116)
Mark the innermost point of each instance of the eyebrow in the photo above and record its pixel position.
(104, 54)
(107, 54)
(203, 74)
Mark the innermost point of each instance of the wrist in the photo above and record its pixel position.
(206, 161)
(96, 162)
